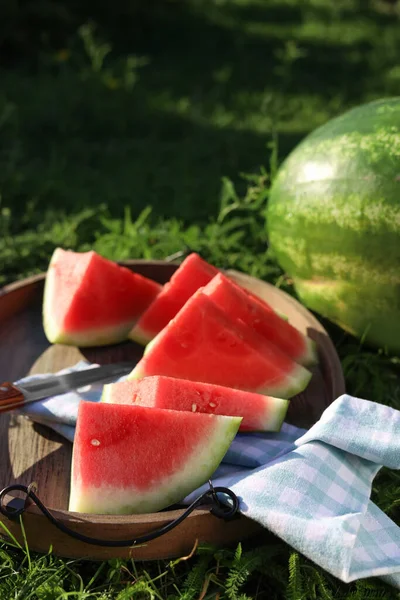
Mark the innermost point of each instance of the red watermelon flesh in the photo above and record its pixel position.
(193, 273)
(133, 459)
(89, 300)
(203, 344)
(235, 302)
(259, 412)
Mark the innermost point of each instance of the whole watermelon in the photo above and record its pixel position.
(333, 220)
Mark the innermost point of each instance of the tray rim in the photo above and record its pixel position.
(162, 517)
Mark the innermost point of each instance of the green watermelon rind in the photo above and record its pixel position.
(294, 384)
(199, 468)
(276, 414)
(96, 337)
(106, 394)
(138, 335)
(150, 344)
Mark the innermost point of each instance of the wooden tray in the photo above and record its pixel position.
(31, 452)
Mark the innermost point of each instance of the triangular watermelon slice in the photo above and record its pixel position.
(89, 300)
(259, 412)
(134, 459)
(203, 344)
(236, 303)
(192, 273)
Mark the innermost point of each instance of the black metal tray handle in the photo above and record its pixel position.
(224, 508)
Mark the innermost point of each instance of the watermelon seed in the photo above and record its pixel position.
(194, 407)
(95, 442)
(212, 405)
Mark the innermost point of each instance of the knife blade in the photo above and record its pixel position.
(15, 395)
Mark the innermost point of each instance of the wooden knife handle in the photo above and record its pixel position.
(10, 395)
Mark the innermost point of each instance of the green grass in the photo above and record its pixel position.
(154, 109)
(167, 108)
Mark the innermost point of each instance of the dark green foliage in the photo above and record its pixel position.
(270, 571)
(295, 586)
(164, 98)
(127, 131)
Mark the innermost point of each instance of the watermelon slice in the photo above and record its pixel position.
(235, 302)
(90, 301)
(203, 344)
(135, 459)
(193, 273)
(259, 413)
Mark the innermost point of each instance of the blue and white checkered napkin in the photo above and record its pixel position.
(311, 488)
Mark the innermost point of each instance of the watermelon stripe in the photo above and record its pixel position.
(338, 220)
(379, 318)
(334, 263)
(333, 218)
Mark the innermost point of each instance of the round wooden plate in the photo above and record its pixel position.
(31, 452)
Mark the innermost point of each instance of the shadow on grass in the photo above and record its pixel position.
(94, 146)
(191, 42)
(220, 78)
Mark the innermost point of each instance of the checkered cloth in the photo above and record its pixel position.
(311, 488)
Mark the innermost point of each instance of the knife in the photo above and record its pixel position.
(14, 395)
